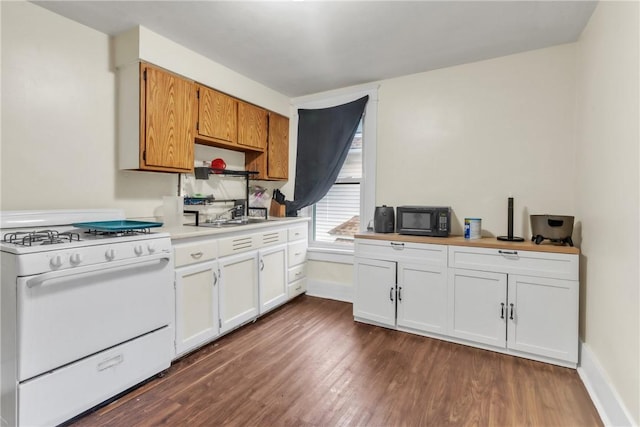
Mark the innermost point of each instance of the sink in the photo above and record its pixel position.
(234, 222)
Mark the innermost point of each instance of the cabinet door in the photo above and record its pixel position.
(196, 305)
(238, 289)
(422, 297)
(273, 277)
(169, 105)
(375, 298)
(252, 126)
(477, 306)
(278, 148)
(543, 317)
(217, 116)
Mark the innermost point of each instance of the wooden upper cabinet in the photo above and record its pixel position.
(278, 148)
(252, 126)
(217, 116)
(273, 164)
(168, 105)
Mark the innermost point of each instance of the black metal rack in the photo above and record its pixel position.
(206, 172)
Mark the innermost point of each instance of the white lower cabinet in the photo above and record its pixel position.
(273, 277)
(297, 261)
(478, 307)
(239, 300)
(375, 298)
(534, 315)
(408, 290)
(196, 306)
(222, 283)
(523, 303)
(196, 294)
(543, 317)
(422, 296)
(529, 315)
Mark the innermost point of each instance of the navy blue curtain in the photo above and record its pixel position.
(324, 138)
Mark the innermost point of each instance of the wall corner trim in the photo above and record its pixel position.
(603, 394)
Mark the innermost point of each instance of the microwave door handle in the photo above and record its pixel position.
(40, 279)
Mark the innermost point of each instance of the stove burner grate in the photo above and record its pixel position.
(40, 237)
(118, 233)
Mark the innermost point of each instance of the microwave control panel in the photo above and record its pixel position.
(443, 223)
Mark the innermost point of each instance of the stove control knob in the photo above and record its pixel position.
(110, 254)
(151, 248)
(75, 259)
(138, 250)
(56, 261)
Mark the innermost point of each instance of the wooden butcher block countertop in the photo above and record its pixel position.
(484, 242)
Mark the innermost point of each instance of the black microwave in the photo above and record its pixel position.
(423, 220)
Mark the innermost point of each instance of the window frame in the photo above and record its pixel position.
(369, 135)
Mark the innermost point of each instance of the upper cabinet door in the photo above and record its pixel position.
(169, 121)
(217, 116)
(252, 126)
(278, 148)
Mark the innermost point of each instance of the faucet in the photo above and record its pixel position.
(218, 217)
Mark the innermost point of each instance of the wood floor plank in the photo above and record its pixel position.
(309, 364)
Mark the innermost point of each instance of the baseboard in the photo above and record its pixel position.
(604, 396)
(330, 290)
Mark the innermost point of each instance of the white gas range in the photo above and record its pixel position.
(86, 312)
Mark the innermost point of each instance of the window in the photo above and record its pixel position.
(336, 218)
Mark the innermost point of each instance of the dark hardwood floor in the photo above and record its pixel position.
(309, 364)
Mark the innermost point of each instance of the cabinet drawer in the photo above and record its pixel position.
(64, 393)
(401, 251)
(297, 272)
(297, 253)
(238, 244)
(195, 252)
(269, 238)
(296, 288)
(298, 233)
(528, 263)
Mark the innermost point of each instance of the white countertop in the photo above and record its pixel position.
(189, 231)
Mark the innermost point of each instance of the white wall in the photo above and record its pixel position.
(471, 135)
(59, 114)
(608, 191)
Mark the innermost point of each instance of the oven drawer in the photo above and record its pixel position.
(195, 252)
(64, 393)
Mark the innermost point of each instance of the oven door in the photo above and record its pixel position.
(66, 315)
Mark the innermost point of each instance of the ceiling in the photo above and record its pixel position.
(303, 47)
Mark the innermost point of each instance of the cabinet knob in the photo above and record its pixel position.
(400, 293)
(502, 310)
(391, 293)
(196, 255)
(511, 315)
(215, 278)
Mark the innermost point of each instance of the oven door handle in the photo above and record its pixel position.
(97, 268)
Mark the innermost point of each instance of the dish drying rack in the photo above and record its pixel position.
(205, 173)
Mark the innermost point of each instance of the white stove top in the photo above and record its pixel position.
(45, 231)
